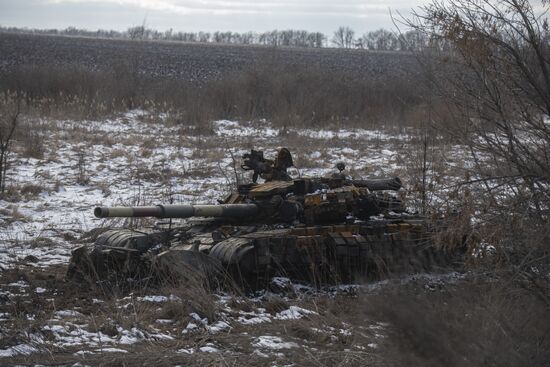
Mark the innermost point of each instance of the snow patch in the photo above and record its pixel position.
(154, 299)
(111, 350)
(209, 348)
(21, 349)
(273, 342)
(67, 313)
(218, 327)
(186, 351)
(294, 313)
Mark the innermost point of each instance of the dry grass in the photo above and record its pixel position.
(472, 323)
(23, 192)
(297, 96)
(13, 213)
(486, 324)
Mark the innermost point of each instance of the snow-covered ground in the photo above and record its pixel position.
(102, 326)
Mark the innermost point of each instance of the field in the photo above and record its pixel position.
(68, 158)
(189, 62)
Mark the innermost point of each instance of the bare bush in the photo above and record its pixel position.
(472, 325)
(10, 109)
(30, 136)
(82, 177)
(497, 79)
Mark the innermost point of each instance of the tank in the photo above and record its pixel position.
(321, 230)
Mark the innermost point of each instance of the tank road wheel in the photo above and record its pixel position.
(113, 265)
(188, 267)
(115, 256)
(237, 257)
(81, 267)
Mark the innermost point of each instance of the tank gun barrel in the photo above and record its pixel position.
(179, 211)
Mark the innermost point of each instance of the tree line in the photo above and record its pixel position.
(343, 37)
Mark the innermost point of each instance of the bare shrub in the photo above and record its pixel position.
(34, 146)
(10, 108)
(82, 177)
(23, 191)
(16, 215)
(31, 190)
(496, 79)
(473, 325)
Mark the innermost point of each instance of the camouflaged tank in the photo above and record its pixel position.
(320, 230)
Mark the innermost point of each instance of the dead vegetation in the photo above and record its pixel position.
(484, 324)
(472, 322)
(10, 110)
(317, 89)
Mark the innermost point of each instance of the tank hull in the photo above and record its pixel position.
(251, 256)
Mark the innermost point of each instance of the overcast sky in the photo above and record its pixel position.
(204, 15)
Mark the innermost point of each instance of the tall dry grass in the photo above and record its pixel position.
(298, 95)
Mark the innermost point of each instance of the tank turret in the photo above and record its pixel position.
(307, 201)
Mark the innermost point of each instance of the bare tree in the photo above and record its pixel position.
(316, 39)
(343, 37)
(204, 37)
(497, 79)
(381, 39)
(9, 115)
(136, 33)
(413, 40)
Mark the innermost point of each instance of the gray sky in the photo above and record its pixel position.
(206, 15)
